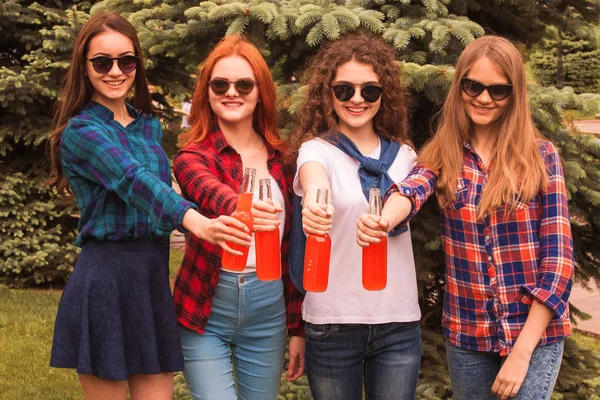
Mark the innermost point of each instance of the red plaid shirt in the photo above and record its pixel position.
(497, 265)
(210, 174)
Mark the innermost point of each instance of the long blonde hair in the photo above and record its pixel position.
(518, 171)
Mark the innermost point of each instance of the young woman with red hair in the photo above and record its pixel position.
(231, 321)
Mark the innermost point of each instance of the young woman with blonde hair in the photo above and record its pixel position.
(505, 229)
(231, 322)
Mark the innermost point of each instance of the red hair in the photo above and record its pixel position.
(202, 118)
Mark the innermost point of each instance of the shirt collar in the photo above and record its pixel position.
(220, 143)
(104, 113)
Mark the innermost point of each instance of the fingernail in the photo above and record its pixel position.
(249, 238)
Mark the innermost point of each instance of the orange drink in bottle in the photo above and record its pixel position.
(374, 257)
(268, 253)
(317, 255)
(243, 213)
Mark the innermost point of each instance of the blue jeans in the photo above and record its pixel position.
(473, 372)
(241, 353)
(339, 357)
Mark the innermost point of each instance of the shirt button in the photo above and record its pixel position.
(489, 258)
(485, 215)
(406, 191)
(487, 237)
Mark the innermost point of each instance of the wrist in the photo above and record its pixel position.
(195, 223)
(522, 351)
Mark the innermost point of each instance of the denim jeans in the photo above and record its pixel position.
(241, 353)
(340, 357)
(473, 372)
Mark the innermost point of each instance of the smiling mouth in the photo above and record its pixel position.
(356, 110)
(115, 83)
(232, 104)
(483, 109)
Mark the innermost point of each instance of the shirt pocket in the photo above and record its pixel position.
(461, 195)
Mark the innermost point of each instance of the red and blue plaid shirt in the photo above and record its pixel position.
(497, 265)
(210, 174)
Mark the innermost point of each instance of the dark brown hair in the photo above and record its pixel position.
(77, 89)
(317, 115)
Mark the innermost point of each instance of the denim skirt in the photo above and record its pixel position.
(116, 316)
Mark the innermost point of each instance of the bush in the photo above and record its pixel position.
(36, 244)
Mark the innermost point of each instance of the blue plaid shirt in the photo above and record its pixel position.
(121, 177)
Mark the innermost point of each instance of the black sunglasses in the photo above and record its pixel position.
(474, 88)
(103, 64)
(344, 92)
(242, 86)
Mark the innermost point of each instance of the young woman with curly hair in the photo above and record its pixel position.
(352, 135)
(115, 323)
(505, 230)
(233, 325)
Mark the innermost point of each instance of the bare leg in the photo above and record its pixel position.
(151, 387)
(101, 389)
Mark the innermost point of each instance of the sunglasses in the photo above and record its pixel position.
(344, 92)
(474, 88)
(242, 86)
(103, 64)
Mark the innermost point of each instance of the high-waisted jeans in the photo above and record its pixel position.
(241, 353)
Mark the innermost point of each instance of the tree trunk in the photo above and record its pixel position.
(560, 71)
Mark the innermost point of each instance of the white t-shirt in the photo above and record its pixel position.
(345, 300)
(278, 197)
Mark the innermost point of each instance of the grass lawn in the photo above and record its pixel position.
(26, 327)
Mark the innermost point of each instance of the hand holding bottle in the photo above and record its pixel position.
(265, 215)
(371, 229)
(316, 218)
(217, 231)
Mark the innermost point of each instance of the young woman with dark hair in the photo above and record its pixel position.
(353, 135)
(116, 323)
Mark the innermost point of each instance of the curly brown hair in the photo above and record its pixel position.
(317, 115)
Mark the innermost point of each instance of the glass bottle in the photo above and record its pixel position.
(317, 255)
(268, 253)
(243, 213)
(374, 257)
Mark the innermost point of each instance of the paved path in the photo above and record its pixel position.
(588, 126)
(588, 302)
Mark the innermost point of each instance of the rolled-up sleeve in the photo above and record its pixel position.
(555, 274)
(417, 187)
